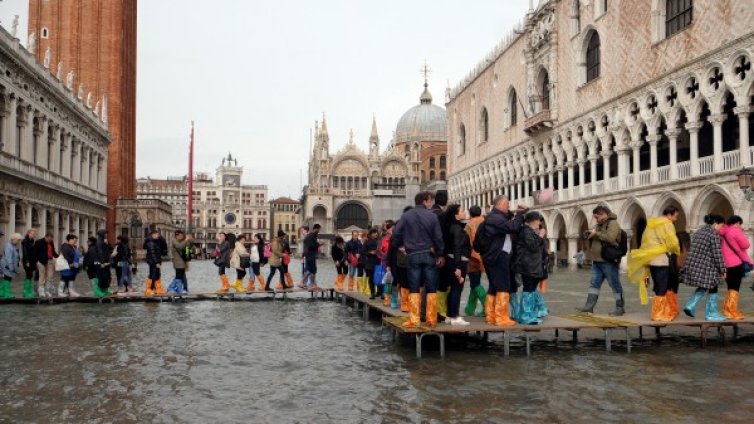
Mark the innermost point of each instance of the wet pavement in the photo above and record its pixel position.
(317, 361)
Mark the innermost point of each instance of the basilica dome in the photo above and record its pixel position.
(425, 122)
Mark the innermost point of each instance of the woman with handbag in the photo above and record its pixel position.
(255, 272)
(371, 260)
(70, 254)
(338, 255)
(705, 268)
(737, 262)
(222, 253)
(276, 259)
(240, 259)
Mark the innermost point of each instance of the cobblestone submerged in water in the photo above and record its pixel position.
(315, 361)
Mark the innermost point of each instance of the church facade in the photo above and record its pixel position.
(634, 105)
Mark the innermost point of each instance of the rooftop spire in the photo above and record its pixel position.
(323, 129)
(374, 128)
(426, 97)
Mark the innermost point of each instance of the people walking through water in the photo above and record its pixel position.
(123, 262)
(389, 289)
(90, 264)
(531, 266)
(477, 293)
(155, 247)
(419, 233)
(276, 259)
(45, 254)
(240, 259)
(311, 250)
(222, 260)
(9, 265)
(287, 254)
(338, 255)
(70, 252)
(371, 248)
(705, 268)
(29, 262)
(255, 269)
(607, 245)
(734, 249)
(494, 240)
(180, 255)
(354, 250)
(658, 243)
(676, 264)
(102, 255)
(457, 257)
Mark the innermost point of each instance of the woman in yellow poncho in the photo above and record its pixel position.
(653, 258)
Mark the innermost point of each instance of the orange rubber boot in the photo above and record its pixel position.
(489, 309)
(404, 300)
(226, 285)
(414, 300)
(148, 288)
(250, 285)
(158, 290)
(431, 317)
(660, 309)
(730, 305)
(352, 280)
(672, 299)
(260, 280)
(288, 280)
(502, 317)
(385, 299)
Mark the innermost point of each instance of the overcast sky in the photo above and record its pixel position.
(256, 75)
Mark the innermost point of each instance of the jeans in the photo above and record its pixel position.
(125, 274)
(180, 274)
(154, 272)
(456, 287)
(601, 271)
(357, 270)
(272, 274)
(422, 269)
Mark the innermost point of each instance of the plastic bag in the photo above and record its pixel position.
(61, 264)
(379, 272)
(387, 279)
(643, 296)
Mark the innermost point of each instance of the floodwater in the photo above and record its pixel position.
(318, 361)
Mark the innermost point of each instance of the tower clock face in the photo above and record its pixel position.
(230, 218)
(231, 180)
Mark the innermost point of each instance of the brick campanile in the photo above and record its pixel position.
(96, 39)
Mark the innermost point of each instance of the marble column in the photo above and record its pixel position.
(11, 228)
(593, 172)
(744, 156)
(56, 227)
(672, 135)
(622, 166)
(29, 220)
(636, 146)
(694, 128)
(653, 140)
(717, 140)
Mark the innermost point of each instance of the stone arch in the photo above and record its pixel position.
(543, 90)
(581, 62)
(352, 213)
(319, 215)
(511, 116)
(579, 225)
(558, 231)
(669, 198)
(634, 218)
(358, 158)
(712, 199)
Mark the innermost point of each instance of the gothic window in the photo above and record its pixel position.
(432, 162)
(484, 125)
(442, 175)
(45, 32)
(513, 108)
(593, 57)
(678, 15)
(432, 175)
(545, 90)
(443, 162)
(462, 140)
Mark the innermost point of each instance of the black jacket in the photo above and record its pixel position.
(40, 250)
(67, 251)
(155, 250)
(529, 253)
(354, 247)
(337, 254)
(90, 257)
(311, 245)
(370, 254)
(29, 258)
(496, 226)
(102, 250)
(123, 253)
(419, 231)
(459, 244)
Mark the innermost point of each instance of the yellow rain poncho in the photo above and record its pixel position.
(659, 238)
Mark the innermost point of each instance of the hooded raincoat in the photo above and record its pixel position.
(658, 241)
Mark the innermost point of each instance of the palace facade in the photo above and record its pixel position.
(634, 105)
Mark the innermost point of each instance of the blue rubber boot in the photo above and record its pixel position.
(515, 307)
(712, 313)
(539, 305)
(690, 308)
(394, 297)
(175, 287)
(528, 313)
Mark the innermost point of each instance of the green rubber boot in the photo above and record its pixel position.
(481, 294)
(95, 287)
(471, 304)
(29, 289)
(6, 290)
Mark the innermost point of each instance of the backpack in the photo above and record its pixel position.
(615, 253)
(268, 250)
(481, 239)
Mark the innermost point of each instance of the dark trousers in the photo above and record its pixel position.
(499, 274)
(103, 277)
(240, 274)
(370, 279)
(400, 278)
(456, 287)
(221, 270)
(660, 279)
(180, 274)
(31, 273)
(341, 268)
(272, 274)
(154, 272)
(734, 276)
(475, 279)
(118, 274)
(422, 269)
(446, 277)
(530, 283)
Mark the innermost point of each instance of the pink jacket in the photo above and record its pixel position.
(734, 244)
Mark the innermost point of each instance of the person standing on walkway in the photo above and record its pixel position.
(70, 252)
(530, 265)
(371, 260)
(102, 255)
(44, 252)
(240, 259)
(287, 255)
(419, 234)
(734, 250)
(155, 248)
(389, 290)
(276, 259)
(457, 257)
(476, 290)
(29, 262)
(123, 262)
(607, 231)
(337, 253)
(354, 249)
(255, 270)
(658, 242)
(181, 255)
(499, 227)
(311, 250)
(9, 265)
(90, 259)
(222, 259)
(705, 268)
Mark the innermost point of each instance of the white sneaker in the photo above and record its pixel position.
(61, 289)
(71, 291)
(459, 321)
(41, 291)
(50, 289)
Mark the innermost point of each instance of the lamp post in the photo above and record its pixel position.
(746, 183)
(135, 225)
